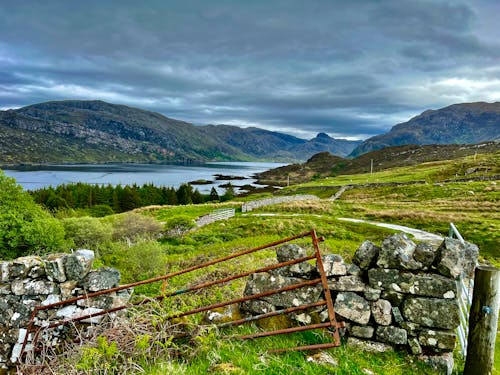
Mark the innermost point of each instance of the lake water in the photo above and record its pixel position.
(32, 178)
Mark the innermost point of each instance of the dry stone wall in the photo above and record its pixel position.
(399, 295)
(41, 281)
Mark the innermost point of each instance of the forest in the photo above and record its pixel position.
(101, 200)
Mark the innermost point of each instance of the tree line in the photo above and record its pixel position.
(108, 199)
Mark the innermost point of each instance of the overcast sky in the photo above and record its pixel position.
(349, 68)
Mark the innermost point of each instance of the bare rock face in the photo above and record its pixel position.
(432, 312)
(455, 259)
(443, 364)
(366, 255)
(397, 252)
(353, 307)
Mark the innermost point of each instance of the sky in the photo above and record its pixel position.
(351, 69)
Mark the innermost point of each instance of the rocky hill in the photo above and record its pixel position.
(325, 165)
(456, 124)
(76, 131)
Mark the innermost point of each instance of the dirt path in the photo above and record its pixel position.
(418, 234)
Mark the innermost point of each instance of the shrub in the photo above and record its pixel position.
(132, 225)
(25, 228)
(88, 232)
(177, 225)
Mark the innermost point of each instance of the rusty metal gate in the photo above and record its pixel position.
(331, 325)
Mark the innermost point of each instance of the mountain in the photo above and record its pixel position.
(465, 123)
(75, 131)
(325, 164)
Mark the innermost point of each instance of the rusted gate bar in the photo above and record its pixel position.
(332, 324)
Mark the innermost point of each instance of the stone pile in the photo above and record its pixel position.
(40, 281)
(397, 296)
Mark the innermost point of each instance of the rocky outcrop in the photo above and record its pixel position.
(398, 295)
(32, 281)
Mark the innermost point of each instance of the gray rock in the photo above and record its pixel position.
(347, 284)
(443, 364)
(256, 307)
(432, 312)
(54, 267)
(21, 267)
(454, 259)
(397, 252)
(353, 307)
(4, 271)
(381, 311)
(413, 329)
(396, 313)
(5, 289)
(366, 255)
(433, 286)
(443, 341)
(425, 254)
(365, 332)
(371, 294)
(78, 264)
(390, 279)
(354, 270)
(334, 265)
(392, 335)
(395, 298)
(101, 302)
(368, 346)
(33, 287)
(101, 279)
(414, 345)
(302, 270)
(261, 282)
(289, 252)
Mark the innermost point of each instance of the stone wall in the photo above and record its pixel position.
(397, 296)
(40, 281)
(252, 205)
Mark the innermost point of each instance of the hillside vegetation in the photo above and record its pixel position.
(159, 239)
(76, 131)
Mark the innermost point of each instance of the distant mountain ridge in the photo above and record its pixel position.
(76, 131)
(465, 123)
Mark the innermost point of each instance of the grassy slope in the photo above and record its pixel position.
(472, 206)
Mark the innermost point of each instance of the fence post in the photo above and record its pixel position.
(483, 321)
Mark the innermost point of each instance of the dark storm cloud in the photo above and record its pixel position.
(347, 68)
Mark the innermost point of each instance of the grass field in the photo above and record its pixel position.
(472, 206)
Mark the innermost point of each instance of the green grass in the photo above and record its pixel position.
(472, 206)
